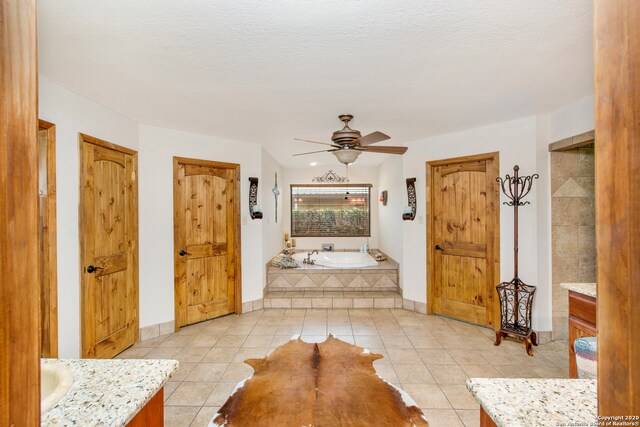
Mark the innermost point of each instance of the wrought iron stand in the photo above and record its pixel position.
(516, 297)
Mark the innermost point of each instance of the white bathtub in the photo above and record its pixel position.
(339, 259)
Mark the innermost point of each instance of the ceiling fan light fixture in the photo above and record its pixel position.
(346, 155)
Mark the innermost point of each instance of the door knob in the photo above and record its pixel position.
(183, 252)
(438, 248)
(93, 269)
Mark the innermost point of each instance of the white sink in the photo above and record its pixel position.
(56, 380)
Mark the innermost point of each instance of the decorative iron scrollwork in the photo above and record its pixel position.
(254, 209)
(331, 178)
(411, 197)
(516, 297)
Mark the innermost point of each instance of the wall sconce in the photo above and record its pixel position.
(409, 213)
(254, 208)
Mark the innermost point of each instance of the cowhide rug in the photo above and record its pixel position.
(332, 383)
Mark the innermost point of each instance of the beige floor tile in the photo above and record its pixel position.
(258, 341)
(169, 388)
(204, 340)
(204, 416)
(516, 371)
(191, 394)
(134, 353)
(364, 330)
(289, 329)
(153, 342)
(467, 357)
(250, 353)
(191, 354)
(314, 329)
(414, 374)
(220, 394)
(442, 418)
(396, 341)
(264, 330)
(278, 340)
(404, 356)
(237, 371)
(448, 374)
(313, 338)
(346, 338)
(220, 354)
(207, 371)
(340, 329)
(177, 341)
(459, 396)
(435, 356)
(387, 373)
(427, 396)
(481, 371)
(423, 341)
(183, 370)
(179, 416)
(368, 341)
(469, 417)
(551, 371)
(239, 330)
(231, 341)
(163, 353)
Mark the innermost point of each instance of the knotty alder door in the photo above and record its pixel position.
(207, 240)
(109, 247)
(463, 238)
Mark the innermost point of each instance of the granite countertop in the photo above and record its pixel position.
(520, 402)
(107, 392)
(588, 289)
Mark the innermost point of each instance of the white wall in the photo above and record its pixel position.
(73, 114)
(272, 232)
(516, 142)
(391, 178)
(357, 175)
(568, 121)
(158, 146)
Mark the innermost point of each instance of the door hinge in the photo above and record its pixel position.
(133, 176)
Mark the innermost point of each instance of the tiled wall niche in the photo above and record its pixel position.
(573, 227)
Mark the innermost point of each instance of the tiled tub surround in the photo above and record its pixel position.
(314, 286)
(107, 392)
(573, 227)
(537, 402)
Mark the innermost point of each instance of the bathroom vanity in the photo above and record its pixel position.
(517, 402)
(582, 317)
(105, 392)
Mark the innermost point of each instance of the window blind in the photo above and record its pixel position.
(341, 210)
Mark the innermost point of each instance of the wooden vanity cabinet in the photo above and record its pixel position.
(582, 323)
(151, 414)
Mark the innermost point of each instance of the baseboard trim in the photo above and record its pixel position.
(152, 331)
(254, 305)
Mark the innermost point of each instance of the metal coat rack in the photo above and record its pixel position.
(516, 297)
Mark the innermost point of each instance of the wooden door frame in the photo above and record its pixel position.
(49, 290)
(82, 138)
(180, 313)
(493, 245)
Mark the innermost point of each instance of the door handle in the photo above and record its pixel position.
(183, 252)
(438, 248)
(93, 269)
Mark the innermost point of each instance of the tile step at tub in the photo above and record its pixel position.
(332, 299)
(395, 289)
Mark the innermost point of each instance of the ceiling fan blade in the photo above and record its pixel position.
(313, 152)
(385, 149)
(372, 138)
(315, 142)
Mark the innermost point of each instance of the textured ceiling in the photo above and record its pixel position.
(269, 71)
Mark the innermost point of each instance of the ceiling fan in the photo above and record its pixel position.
(347, 143)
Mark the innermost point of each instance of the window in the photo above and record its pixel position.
(331, 210)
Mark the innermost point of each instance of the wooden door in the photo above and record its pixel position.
(207, 240)
(109, 247)
(463, 238)
(48, 241)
